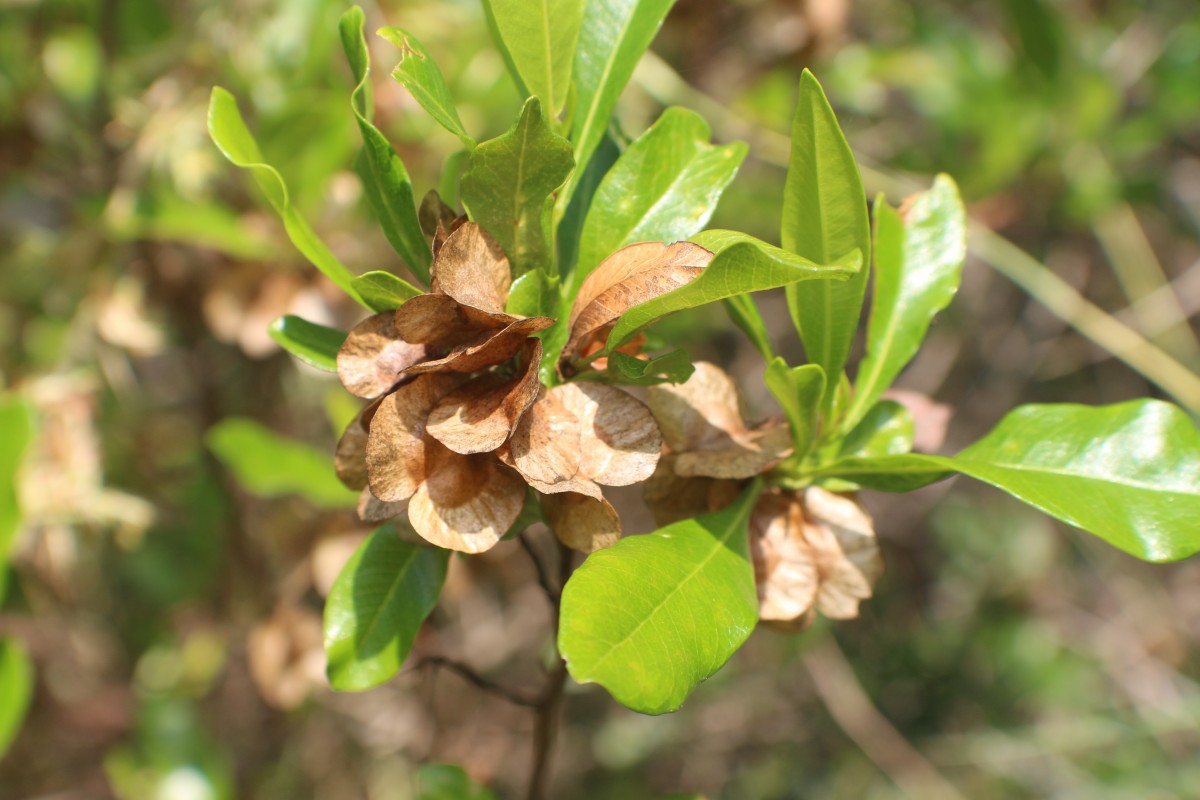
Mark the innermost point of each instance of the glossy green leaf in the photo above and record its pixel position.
(229, 132)
(452, 169)
(745, 314)
(824, 216)
(1128, 473)
(313, 344)
(16, 690)
(887, 429)
(384, 178)
(419, 73)
(742, 264)
(383, 291)
(533, 294)
(653, 616)
(268, 465)
(448, 782)
(918, 265)
(539, 40)
(614, 36)
(16, 432)
(377, 605)
(799, 391)
(510, 178)
(674, 367)
(663, 188)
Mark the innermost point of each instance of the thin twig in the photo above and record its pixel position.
(470, 675)
(854, 713)
(543, 579)
(549, 707)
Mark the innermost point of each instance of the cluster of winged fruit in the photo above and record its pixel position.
(460, 433)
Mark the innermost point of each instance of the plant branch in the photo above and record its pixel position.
(471, 676)
(549, 705)
(854, 713)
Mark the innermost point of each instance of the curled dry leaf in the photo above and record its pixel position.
(460, 502)
(434, 213)
(371, 509)
(582, 522)
(350, 458)
(785, 568)
(397, 443)
(579, 434)
(702, 422)
(471, 268)
(495, 348)
(465, 503)
(814, 551)
(628, 277)
(480, 415)
(842, 536)
(672, 497)
(371, 360)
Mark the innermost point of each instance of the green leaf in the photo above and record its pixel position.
(745, 314)
(664, 188)
(674, 367)
(229, 132)
(824, 216)
(419, 73)
(539, 40)
(533, 294)
(16, 690)
(1128, 473)
(918, 264)
(16, 432)
(313, 344)
(887, 429)
(377, 605)
(452, 169)
(653, 616)
(799, 391)
(268, 465)
(506, 187)
(614, 36)
(742, 264)
(384, 178)
(448, 782)
(383, 291)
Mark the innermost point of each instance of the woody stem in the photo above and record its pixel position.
(548, 711)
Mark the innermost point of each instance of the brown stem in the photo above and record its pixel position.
(549, 707)
(470, 675)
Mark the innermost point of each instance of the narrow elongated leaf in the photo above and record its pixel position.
(799, 391)
(384, 177)
(313, 344)
(229, 132)
(664, 188)
(887, 429)
(919, 254)
(653, 616)
(824, 216)
(539, 39)
(419, 73)
(16, 690)
(1128, 473)
(742, 264)
(376, 607)
(383, 290)
(614, 36)
(268, 465)
(745, 314)
(506, 187)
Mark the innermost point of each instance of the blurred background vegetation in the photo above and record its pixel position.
(166, 616)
